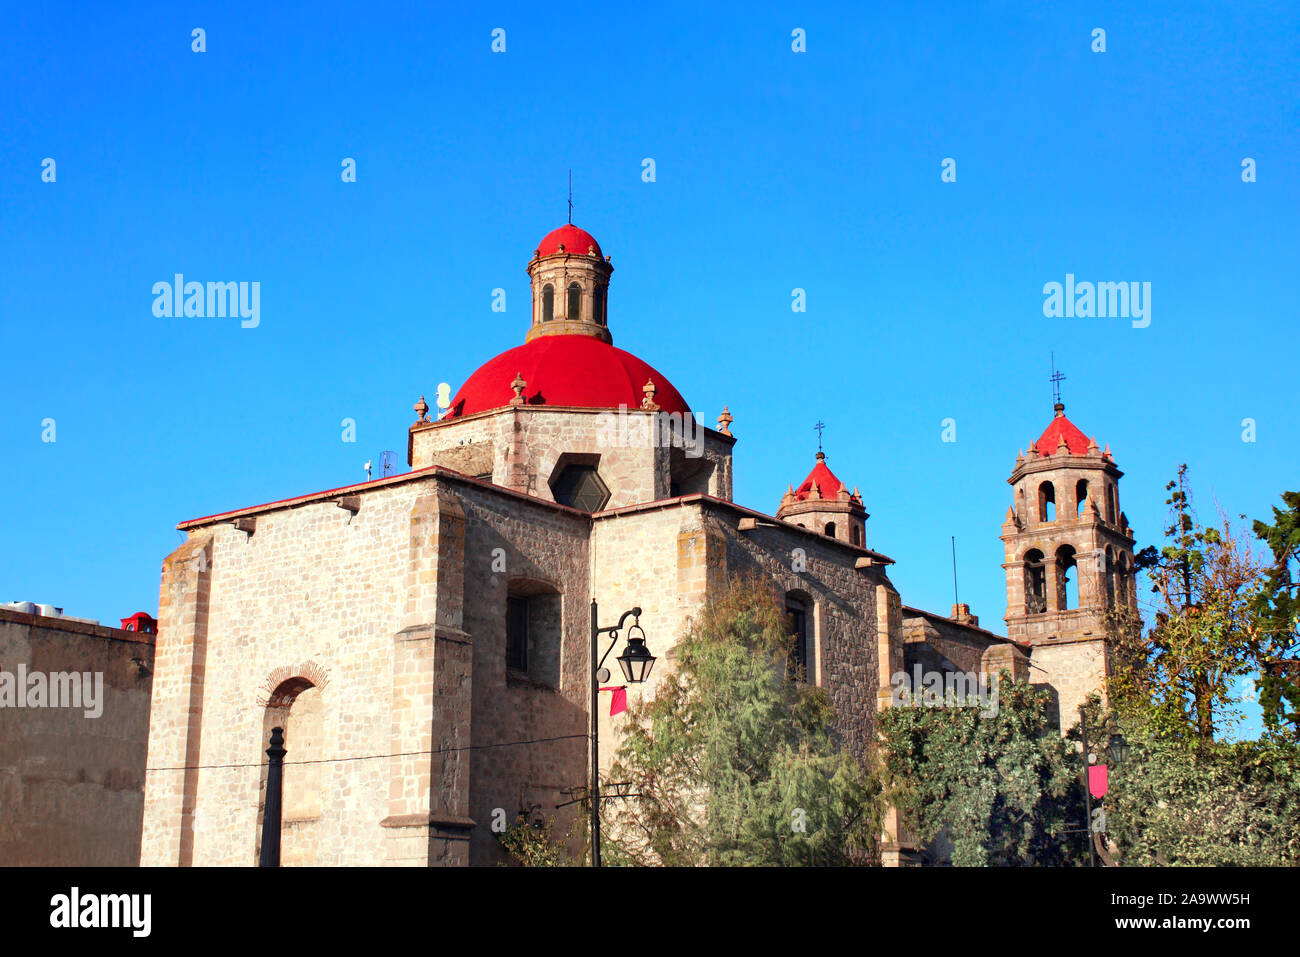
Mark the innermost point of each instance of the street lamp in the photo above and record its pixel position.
(636, 662)
(1118, 749)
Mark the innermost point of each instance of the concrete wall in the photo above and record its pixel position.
(72, 786)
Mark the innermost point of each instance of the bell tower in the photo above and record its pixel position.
(824, 504)
(1068, 559)
(570, 281)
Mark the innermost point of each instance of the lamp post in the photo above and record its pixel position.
(636, 662)
(1087, 786)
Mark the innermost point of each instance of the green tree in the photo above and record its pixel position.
(733, 763)
(1004, 789)
(1181, 677)
(1278, 608)
(1178, 802)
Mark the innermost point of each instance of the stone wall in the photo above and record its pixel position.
(527, 445)
(395, 617)
(72, 785)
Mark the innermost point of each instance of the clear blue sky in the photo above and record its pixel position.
(775, 170)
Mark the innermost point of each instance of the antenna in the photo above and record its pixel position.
(387, 462)
(367, 468)
(955, 602)
(1056, 379)
(570, 197)
(819, 427)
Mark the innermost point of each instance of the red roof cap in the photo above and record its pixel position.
(575, 241)
(1075, 440)
(827, 484)
(571, 370)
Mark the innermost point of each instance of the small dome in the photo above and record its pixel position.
(571, 370)
(574, 240)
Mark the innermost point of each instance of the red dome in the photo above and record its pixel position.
(565, 370)
(576, 241)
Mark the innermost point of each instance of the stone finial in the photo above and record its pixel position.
(788, 498)
(843, 493)
(422, 410)
(1093, 448)
(814, 492)
(1062, 446)
(1012, 519)
(1033, 451)
(724, 421)
(649, 390)
(560, 247)
(1106, 454)
(518, 384)
(591, 250)
(857, 496)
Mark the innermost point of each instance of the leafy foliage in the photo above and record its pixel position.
(1278, 608)
(1215, 804)
(734, 764)
(1182, 677)
(1003, 789)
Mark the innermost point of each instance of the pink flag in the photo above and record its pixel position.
(1098, 780)
(618, 701)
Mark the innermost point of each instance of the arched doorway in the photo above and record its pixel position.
(297, 706)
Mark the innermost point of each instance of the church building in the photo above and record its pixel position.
(424, 639)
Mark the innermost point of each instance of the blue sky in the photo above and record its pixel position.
(774, 170)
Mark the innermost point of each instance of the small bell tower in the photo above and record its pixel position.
(570, 282)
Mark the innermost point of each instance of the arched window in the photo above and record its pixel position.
(1111, 510)
(1080, 497)
(1035, 583)
(548, 302)
(798, 610)
(1110, 578)
(1067, 585)
(855, 534)
(575, 302)
(598, 305)
(830, 529)
(1047, 502)
(1122, 581)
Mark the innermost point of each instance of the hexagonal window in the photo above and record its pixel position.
(580, 487)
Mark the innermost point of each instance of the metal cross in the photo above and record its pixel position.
(1056, 379)
(570, 197)
(819, 426)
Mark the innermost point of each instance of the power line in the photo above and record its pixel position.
(372, 757)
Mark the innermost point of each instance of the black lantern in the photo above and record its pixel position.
(636, 660)
(1118, 749)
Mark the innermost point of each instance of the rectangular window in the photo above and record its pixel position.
(517, 633)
